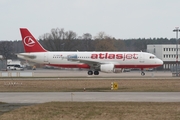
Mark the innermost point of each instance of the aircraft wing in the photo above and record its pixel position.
(91, 63)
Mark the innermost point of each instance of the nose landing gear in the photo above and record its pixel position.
(142, 73)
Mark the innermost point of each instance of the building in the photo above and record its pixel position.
(167, 53)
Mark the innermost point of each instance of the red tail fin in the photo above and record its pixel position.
(29, 42)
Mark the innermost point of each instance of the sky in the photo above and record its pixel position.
(121, 19)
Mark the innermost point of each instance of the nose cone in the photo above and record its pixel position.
(160, 62)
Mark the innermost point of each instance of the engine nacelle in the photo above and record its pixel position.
(107, 68)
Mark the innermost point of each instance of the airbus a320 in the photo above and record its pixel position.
(93, 61)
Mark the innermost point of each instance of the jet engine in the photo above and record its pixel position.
(108, 68)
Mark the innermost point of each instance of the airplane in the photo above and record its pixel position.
(93, 61)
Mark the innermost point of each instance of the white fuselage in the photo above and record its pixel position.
(83, 59)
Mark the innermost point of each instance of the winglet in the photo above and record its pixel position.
(29, 42)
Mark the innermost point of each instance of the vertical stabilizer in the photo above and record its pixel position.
(29, 42)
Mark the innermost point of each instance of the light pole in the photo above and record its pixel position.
(176, 30)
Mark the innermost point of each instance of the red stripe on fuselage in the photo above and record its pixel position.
(116, 66)
(137, 66)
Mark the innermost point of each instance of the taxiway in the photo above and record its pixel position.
(42, 97)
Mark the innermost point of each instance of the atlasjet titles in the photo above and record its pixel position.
(114, 56)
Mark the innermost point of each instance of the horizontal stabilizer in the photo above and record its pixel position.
(20, 55)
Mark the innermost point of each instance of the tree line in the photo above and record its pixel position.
(61, 40)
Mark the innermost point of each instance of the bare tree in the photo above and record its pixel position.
(59, 39)
(70, 35)
(87, 36)
(105, 45)
(58, 33)
(104, 42)
(6, 50)
(102, 35)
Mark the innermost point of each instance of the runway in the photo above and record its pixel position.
(42, 97)
(46, 73)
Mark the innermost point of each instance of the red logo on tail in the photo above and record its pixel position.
(28, 41)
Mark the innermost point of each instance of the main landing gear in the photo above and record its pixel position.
(90, 72)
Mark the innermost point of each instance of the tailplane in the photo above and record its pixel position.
(29, 42)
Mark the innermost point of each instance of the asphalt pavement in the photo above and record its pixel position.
(42, 97)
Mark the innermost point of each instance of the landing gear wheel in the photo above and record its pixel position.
(96, 72)
(142, 73)
(90, 72)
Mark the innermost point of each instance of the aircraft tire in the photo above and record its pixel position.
(142, 73)
(96, 72)
(90, 72)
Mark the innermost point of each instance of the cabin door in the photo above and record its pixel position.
(141, 60)
(45, 57)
